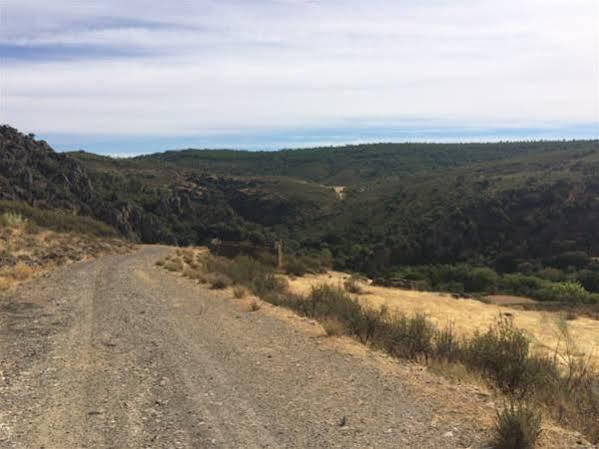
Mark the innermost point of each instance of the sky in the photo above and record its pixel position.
(129, 77)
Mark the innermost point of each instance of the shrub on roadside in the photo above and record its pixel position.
(408, 337)
(219, 282)
(447, 346)
(174, 265)
(517, 426)
(503, 354)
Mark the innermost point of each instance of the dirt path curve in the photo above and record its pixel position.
(117, 353)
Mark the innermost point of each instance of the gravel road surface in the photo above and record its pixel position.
(117, 353)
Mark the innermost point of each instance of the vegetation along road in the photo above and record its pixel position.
(117, 353)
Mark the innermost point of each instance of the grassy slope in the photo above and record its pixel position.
(33, 241)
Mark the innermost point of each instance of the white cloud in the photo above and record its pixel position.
(231, 65)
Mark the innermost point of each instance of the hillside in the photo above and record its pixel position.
(154, 203)
(34, 241)
(355, 164)
(528, 208)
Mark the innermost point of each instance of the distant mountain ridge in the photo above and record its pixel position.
(352, 164)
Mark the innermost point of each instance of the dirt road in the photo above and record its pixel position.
(117, 353)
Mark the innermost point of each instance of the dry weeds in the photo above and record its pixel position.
(28, 251)
(467, 315)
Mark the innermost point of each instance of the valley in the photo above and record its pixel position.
(395, 255)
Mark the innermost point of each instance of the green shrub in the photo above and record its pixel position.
(568, 291)
(12, 219)
(503, 355)
(452, 287)
(327, 300)
(520, 284)
(244, 270)
(295, 266)
(517, 426)
(482, 279)
(407, 337)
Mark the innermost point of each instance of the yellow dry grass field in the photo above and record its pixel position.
(468, 315)
(23, 253)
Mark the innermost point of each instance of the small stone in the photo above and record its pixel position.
(448, 434)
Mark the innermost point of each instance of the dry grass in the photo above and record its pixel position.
(254, 306)
(5, 283)
(398, 322)
(22, 272)
(333, 327)
(26, 251)
(12, 220)
(239, 292)
(467, 315)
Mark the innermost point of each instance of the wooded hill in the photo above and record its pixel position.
(512, 207)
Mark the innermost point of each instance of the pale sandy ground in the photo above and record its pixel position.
(468, 315)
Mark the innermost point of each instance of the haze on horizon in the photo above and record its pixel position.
(130, 77)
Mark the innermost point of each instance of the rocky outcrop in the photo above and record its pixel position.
(32, 172)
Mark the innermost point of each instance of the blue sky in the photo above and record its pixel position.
(128, 77)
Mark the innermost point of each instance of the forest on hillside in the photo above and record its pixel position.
(510, 217)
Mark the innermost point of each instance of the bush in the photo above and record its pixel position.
(220, 282)
(408, 337)
(333, 327)
(239, 292)
(254, 306)
(244, 270)
(482, 280)
(565, 292)
(446, 345)
(503, 354)
(517, 426)
(12, 219)
(520, 284)
(173, 265)
(351, 285)
(295, 266)
(326, 300)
